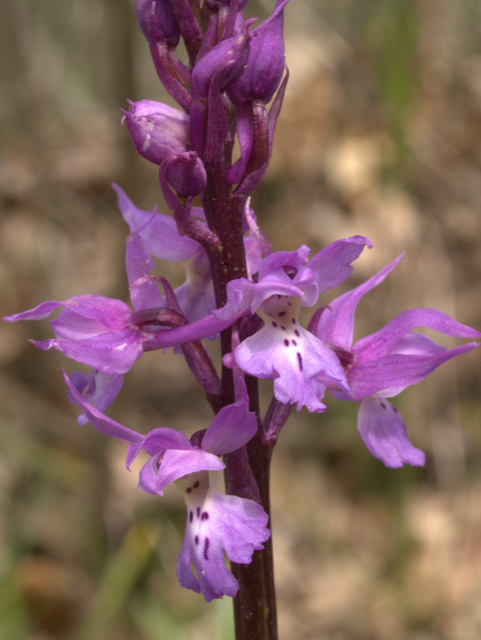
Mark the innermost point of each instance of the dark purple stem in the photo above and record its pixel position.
(275, 418)
(197, 357)
(247, 470)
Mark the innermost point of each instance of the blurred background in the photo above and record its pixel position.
(380, 135)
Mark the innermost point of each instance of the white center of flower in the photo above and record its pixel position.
(195, 488)
(282, 313)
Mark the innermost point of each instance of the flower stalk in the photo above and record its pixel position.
(255, 613)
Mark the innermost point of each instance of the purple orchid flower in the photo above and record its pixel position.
(282, 350)
(216, 523)
(105, 333)
(157, 231)
(161, 239)
(98, 388)
(384, 363)
(95, 330)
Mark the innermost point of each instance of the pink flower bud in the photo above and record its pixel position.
(266, 63)
(186, 174)
(165, 24)
(228, 59)
(157, 130)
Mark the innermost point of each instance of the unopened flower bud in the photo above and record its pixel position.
(157, 130)
(228, 58)
(186, 174)
(265, 65)
(165, 24)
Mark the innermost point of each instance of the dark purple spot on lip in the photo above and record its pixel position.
(281, 313)
(394, 409)
(383, 405)
(297, 333)
(198, 512)
(205, 515)
(289, 303)
(274, 324)
(196, 485)
(283, 328)
(189, 489)
(299, 360)
(293, 321)
(206, 548)
(286, 342)
(191, 516)
(294, 343)
(196, 539)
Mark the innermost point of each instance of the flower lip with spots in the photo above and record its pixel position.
(282, 350)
